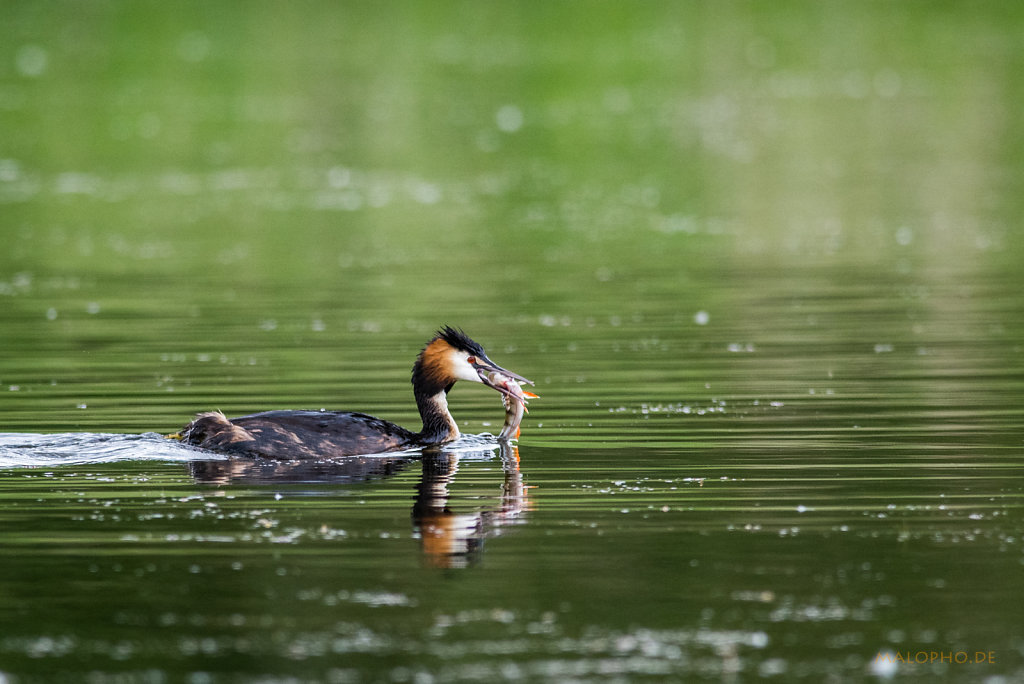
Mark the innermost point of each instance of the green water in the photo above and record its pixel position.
(763, 261)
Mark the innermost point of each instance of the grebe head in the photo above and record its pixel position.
(451, 355)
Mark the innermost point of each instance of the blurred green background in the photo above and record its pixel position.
(264, 142)
(302, 181)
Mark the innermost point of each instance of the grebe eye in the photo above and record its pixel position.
(471, 359)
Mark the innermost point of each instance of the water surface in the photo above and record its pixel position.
(763, 264)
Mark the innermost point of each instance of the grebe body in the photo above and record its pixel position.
(294, 435)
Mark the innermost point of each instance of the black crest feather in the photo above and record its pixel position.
(460, 340)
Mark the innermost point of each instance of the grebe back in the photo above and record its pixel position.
(291, 435)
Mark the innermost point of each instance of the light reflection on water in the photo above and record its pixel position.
(755, 555)
(809, 475)
(778, 490)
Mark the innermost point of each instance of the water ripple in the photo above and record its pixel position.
(27, 450)
(30, 450)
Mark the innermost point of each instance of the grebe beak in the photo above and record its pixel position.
(484, 367)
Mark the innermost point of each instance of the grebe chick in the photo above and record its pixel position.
(291, 435)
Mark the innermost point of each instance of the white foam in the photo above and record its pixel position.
(29, 450)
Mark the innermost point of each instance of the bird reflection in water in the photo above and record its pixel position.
(448, 538)
(451, 539)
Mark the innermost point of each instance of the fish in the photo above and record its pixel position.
(514, 398)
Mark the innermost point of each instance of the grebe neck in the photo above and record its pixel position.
(438, 424)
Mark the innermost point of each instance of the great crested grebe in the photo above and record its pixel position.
(290, 435)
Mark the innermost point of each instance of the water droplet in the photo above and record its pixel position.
(194, 46)
(31, 60)
(904, 236)
(509, 119)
